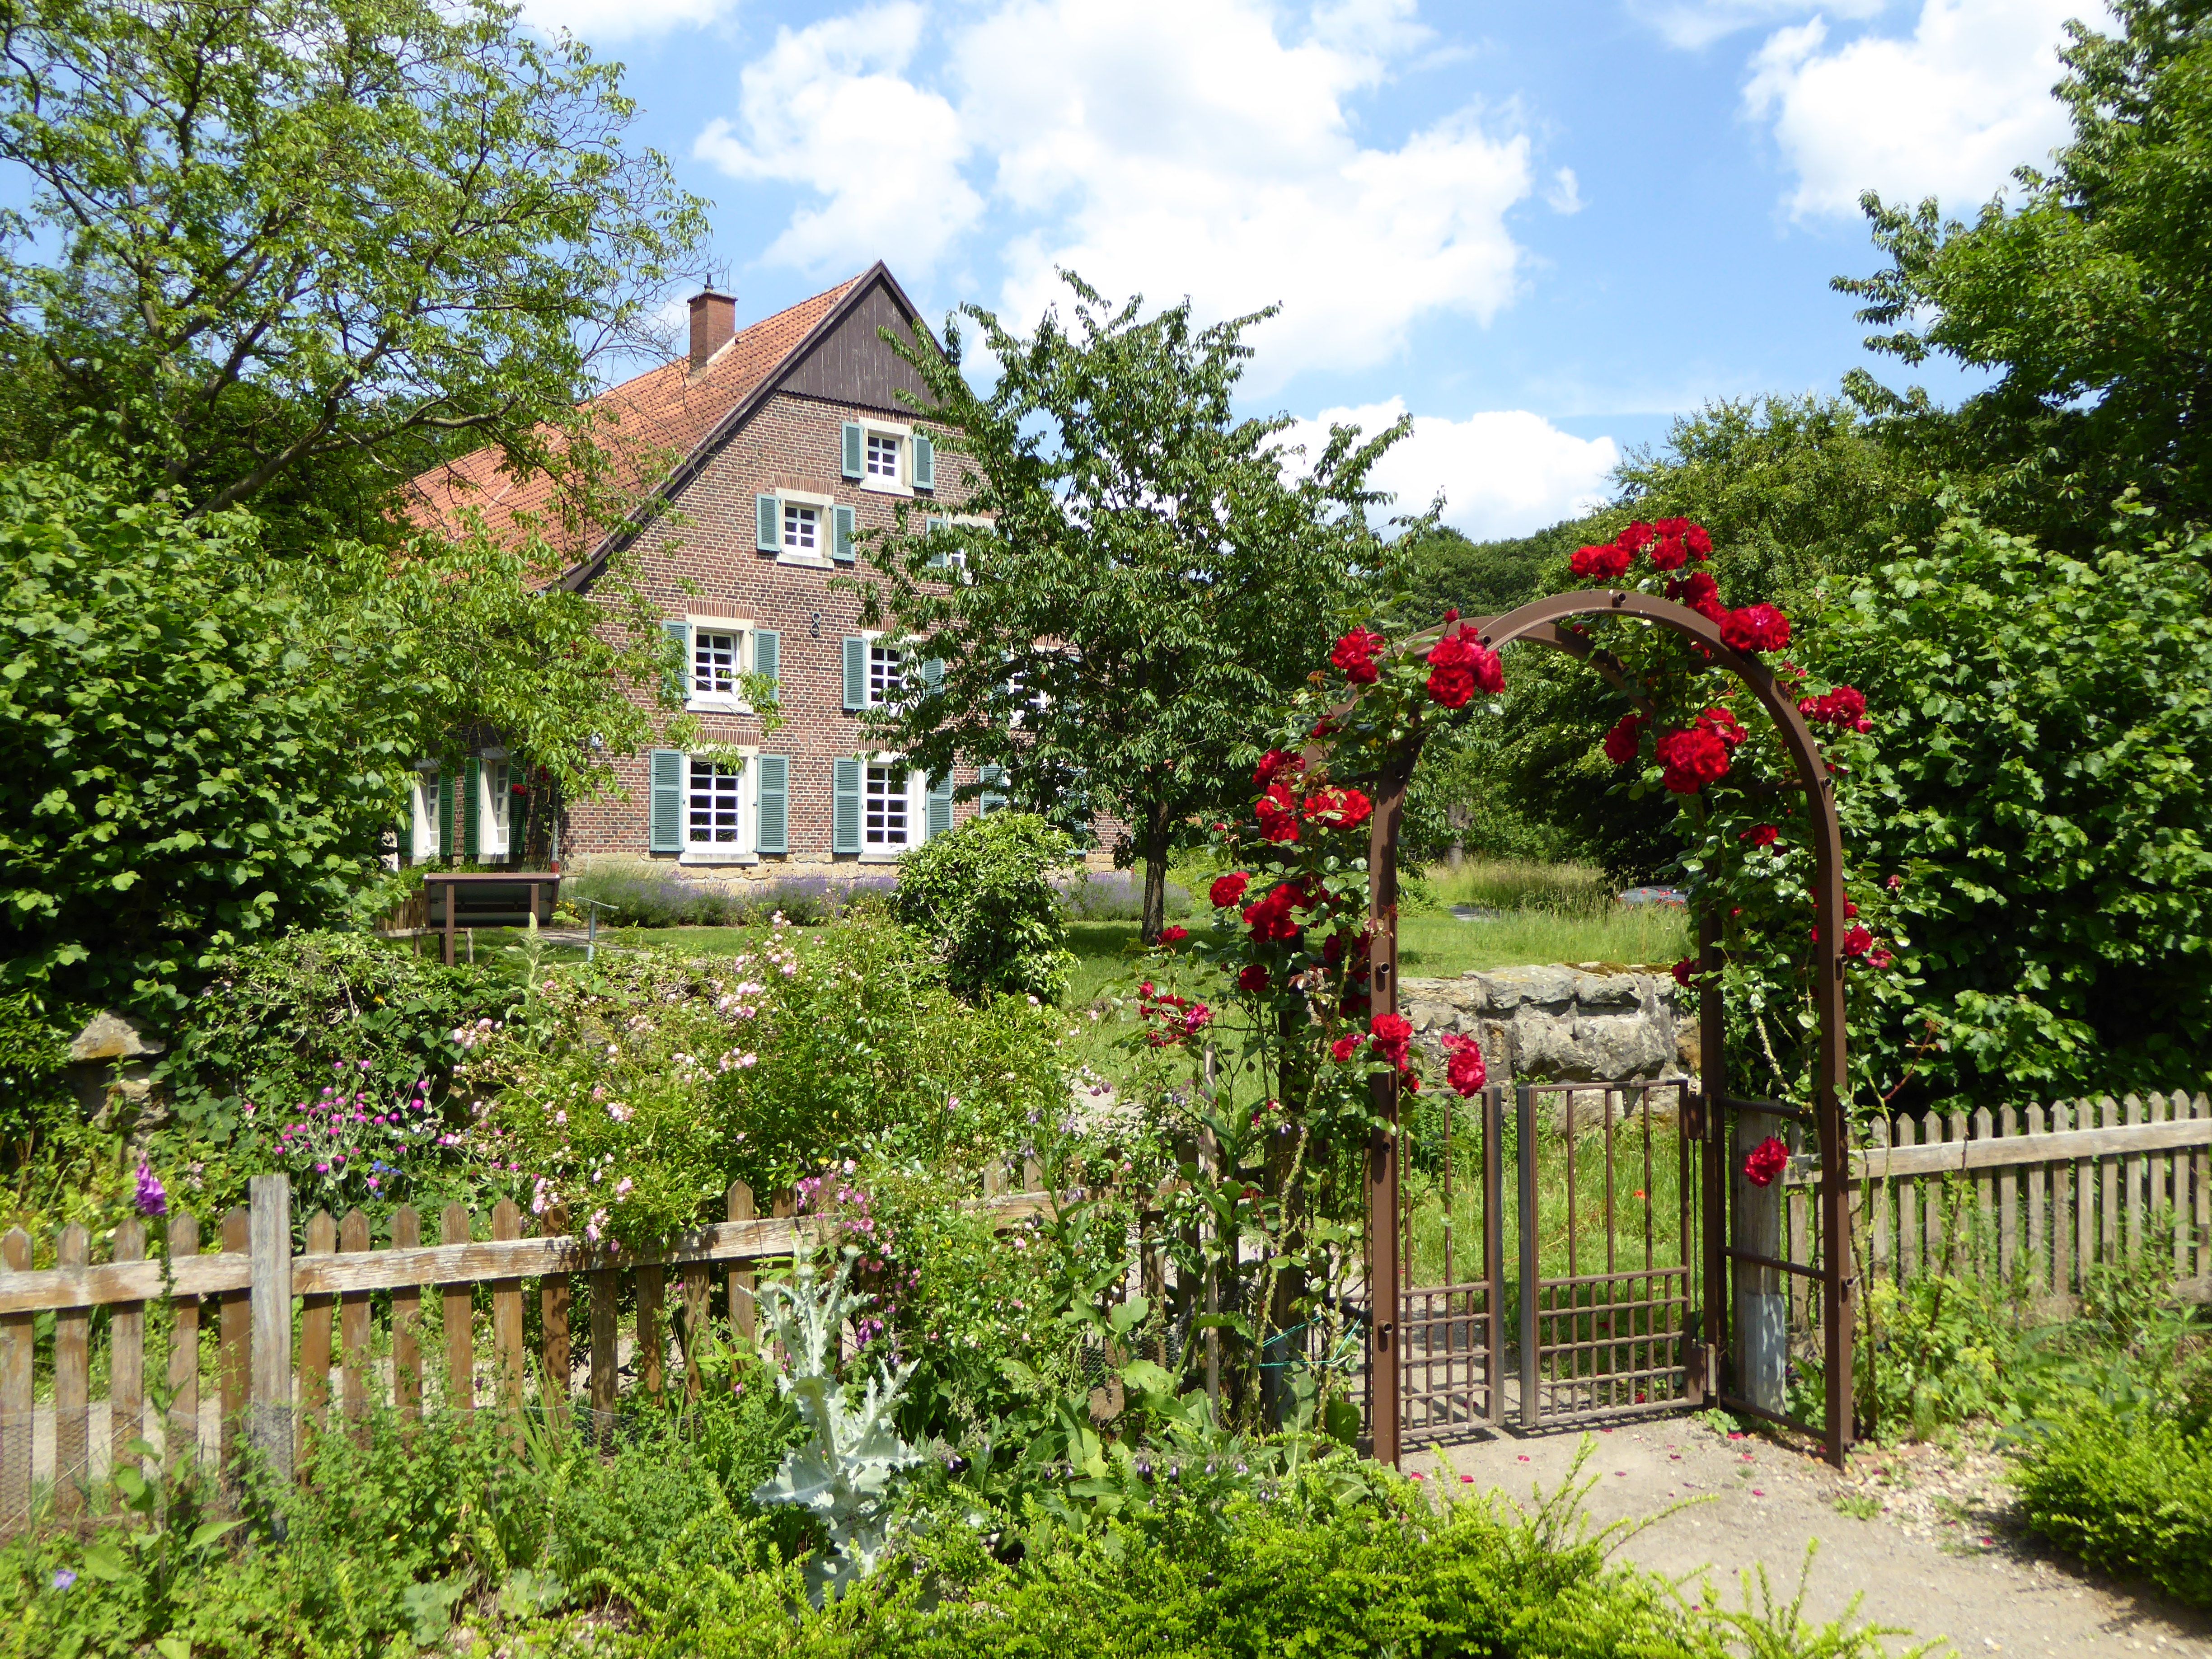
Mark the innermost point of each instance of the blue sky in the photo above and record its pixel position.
(1543, 229)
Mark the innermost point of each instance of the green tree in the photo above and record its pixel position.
(204, 744)
(2045, 742)
(2091, 302)
(298, 246)
(1443, 569)
(1152, 575)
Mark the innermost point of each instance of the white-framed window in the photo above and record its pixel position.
(884, 449)
(888, 818)
(492, 824)
(886, 672)
(422, 829)
(802, 530)
(715, 808)
(717, 658)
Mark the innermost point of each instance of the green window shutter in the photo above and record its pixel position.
(932, 675)
(925, 463)
(940, 816)
(994, 798)
(855, 442)
(772, 831)
(845, 819)
(856, 674)
(666, 822)
(768, 535)
(841, 524)
(768, 649)
(679, 682)
(937, 559)
(470, 806)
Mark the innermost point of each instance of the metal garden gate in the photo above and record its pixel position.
(1549, 1244)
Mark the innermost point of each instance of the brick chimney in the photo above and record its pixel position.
(714, 321)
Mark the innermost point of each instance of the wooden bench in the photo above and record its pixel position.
(495, 898)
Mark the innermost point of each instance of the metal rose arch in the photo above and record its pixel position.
(1704, 1116)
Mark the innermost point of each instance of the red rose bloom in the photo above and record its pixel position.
(1683, 969)
(1174, 935)
(1880, 956)
(1270, 918)
(1765, 1161)
(1637, 537)
(1700, 592)
(1600, 564)
(1278, 812)
(1340, 809)
(1355, 655)
(1276, 763)
(1755, 628)
(1228, 890)
(1723, 725)
(1845, 705)
(1699, 540)
(1410, 1081)
(1463, 1066)
(1669, 553)
(1459, 665)
(1857, 941)
(1325, 727)
(1345, 1047)
(1765, 834)
(1450, 688)
(1625, 738)
(1253, 977)
(1692, 759)
(1393, 1034)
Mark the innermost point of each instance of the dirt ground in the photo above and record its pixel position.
(1938, 1550)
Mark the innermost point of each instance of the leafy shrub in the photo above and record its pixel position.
(2127, 1489)
(1115, 896)
(174, 768)
(983, 898)
(642, 901)
(634, 1093)
(34, 1092)
(1940, 1355)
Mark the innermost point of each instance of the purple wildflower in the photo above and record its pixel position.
(152, 1199)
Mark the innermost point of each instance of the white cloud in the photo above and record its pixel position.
(1948, 111)
(1170, 147)
(1694, 23)
(1564, 193)
(829, 108)
(621, 20)
(1505, 473)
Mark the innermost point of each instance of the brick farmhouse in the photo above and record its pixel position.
(791, 441)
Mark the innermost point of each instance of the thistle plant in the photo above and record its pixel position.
(843, 1470)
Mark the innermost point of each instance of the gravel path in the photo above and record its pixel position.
(1939, 1551)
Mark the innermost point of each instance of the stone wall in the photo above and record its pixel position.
(1562, 1024)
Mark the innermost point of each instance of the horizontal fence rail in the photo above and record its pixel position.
(2039, 1200)
(299, 1333)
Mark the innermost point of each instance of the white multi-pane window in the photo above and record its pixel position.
(714, 806)
(885, 819)
(802, 527)
(886, 673)
(714, 662)
(498, 796)
(882, 456)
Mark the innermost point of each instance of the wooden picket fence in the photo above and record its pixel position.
(285, 1322)
(2035, 1199)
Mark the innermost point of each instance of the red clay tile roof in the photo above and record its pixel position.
(649, 423)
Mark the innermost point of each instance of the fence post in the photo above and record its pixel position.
(268, 1235)
(1762, 1312)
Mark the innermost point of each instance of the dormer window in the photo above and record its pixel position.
(882, 456)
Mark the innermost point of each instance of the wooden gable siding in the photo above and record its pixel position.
(852, 364)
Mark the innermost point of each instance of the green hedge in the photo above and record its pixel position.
(2127, 1491)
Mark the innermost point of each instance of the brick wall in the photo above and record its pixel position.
(791, 443)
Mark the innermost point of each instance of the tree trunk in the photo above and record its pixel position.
(1154, 851)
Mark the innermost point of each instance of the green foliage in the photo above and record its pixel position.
(293, 236)
(1438, 569)
(2046, 731)
(2127, 1491)
(175, 770)
(635, 1092)
(983, 895)
(1938, 1356)
(1152, 573)
(35, 1097)
(2090, 301)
